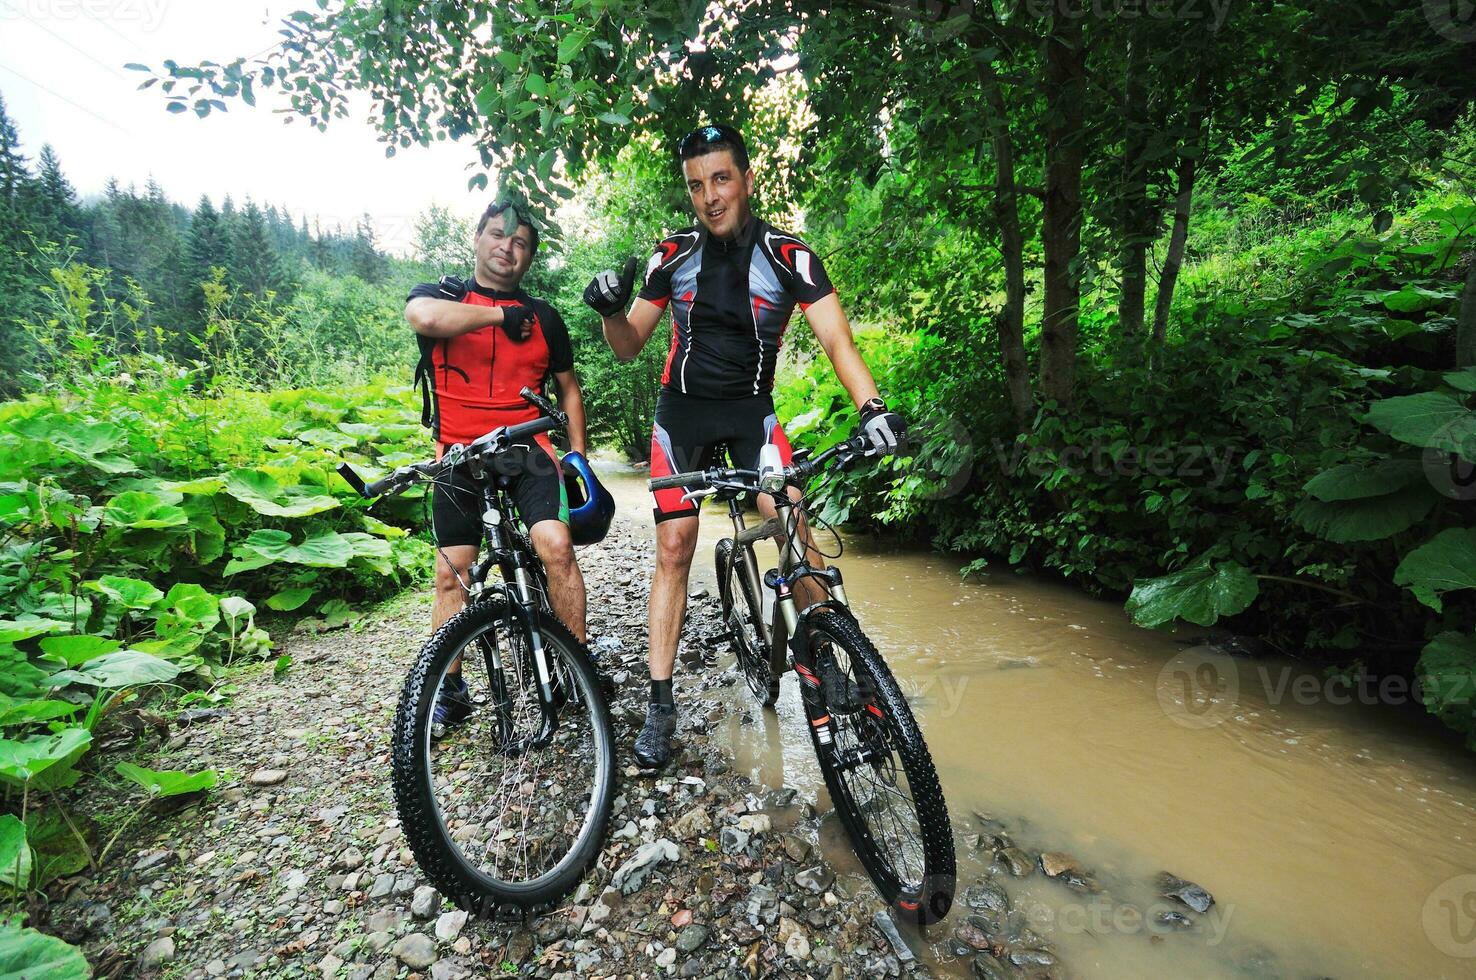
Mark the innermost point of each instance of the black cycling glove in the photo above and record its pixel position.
(517, 322)
(607, 294)
(452, 288)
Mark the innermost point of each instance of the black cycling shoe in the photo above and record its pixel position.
(453, 705)
(653, 744)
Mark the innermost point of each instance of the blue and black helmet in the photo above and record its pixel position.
(591, 508)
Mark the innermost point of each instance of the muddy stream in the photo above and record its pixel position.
(1333, 830)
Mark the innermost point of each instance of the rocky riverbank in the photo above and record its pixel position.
(295, 865)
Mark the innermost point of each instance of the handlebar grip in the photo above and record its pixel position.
(543, 405)
(353, 479)
(534, 427)
(677, 480)
(378, 487)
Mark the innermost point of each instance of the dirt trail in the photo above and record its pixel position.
(295, 864)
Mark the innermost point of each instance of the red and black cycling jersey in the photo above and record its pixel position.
(473, 381)
(730, 305)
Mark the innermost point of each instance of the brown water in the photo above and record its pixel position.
(1334, 836)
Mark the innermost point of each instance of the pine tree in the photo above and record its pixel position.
(206, 249)
(367, 262)
(56, 201)
(256, 268)
(14, 176)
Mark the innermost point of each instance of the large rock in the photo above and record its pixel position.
(268, 777)
(157, 953)
(884, 925)
(1184, 892)
(449, 925)
(424, 904)
(692, 823)
(816, 879)
(417, 951)
(632, 874)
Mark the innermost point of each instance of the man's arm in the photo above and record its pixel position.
(833, 331)
(571, 401)
(627, 333)
(431, 317)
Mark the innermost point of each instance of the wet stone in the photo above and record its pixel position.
(1185, 892)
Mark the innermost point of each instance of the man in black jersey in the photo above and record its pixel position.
(732, 282)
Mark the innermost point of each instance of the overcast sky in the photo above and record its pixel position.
(62, 76)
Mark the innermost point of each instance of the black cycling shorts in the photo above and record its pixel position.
(537, 489)
(689, 432)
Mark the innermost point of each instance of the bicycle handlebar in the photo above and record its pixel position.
(846, 452)
(493, 442)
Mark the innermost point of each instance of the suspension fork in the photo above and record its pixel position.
(515, 573)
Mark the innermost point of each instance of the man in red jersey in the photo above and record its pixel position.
(482, 341)
(732, 283)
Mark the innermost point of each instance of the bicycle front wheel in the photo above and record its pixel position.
(499, 812)
(879, 772)
(743, 616)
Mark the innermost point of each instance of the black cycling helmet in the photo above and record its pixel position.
(591, 508)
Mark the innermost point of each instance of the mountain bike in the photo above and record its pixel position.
(868, 744)
(506, 809)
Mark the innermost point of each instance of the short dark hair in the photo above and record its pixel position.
(524, 218)
(710, 139)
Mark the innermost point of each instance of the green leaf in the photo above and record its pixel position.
(1412, 299)
(375, 526)
(27, 712)
(236, 609)
(141, 509)
(282, 665)
(77, 650)
(1430, 420)
(614, 118)
(167, 782)
(127, 668)
(24, 627)
(265, 495)
(57, 851)
(536, 84)
(187, 608)
(1447, 675)
(508, 60)
(130, 593)
(1353, 481)
(43, 760)
(15, 852)
(571, 44)
(337, 613)
(1462, 380)
(328, 439)
(85, 440)
(1445, 563)
(1366, 518)
(1199, 594)
(326, 549)
(290, 599)
(27, 954)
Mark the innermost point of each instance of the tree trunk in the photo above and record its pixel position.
(1466, 321)
(1134, 223)
(1177, 239)
(1065, 76)
(1011, 319)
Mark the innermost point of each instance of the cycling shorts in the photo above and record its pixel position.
(691, 432)
(536, 485)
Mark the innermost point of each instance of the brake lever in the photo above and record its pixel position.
(691, 496)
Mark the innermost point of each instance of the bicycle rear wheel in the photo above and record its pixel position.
(743, 615)
(496, 819)
(879, 771)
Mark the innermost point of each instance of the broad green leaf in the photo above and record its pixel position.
(375, 526)
(166, 782)
(1366, 518)
(24, 627)
(571, 44)
(207, 536)
(337, 613)
(128, 668)
(77, 650)
(1447, 677)
(188, 607)
(25, 712)
(326, 549)
(142, 509)
(265, 495)
(1354, 481)
(175, 647)
(74, 610)
(88, 441)
(1430, 420)
(236, 610)
(43, 760)
(1445, 563)
(204, 485)
(15, 853)
(1411, 299)
(28, 954)
(361, 430)
(130, 593)
(1462, 380)
(55, 847)
(1199, 594)
(536, 84)
(290, 599)
(328, 439)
